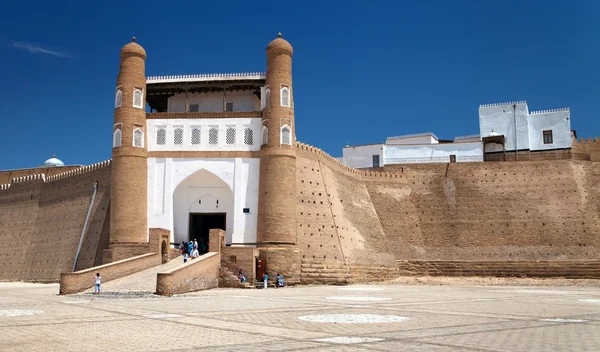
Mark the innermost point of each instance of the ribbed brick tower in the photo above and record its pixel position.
(128, 197)
(277, 187)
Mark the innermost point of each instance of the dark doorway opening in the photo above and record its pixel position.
(200, 224)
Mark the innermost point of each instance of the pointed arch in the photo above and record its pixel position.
(119, 98)
(138, 138)
(285, 96)
(117, 137)
(138, 99)
(286, 135)
(265, 135)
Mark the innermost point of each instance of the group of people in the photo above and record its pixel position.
(190, 249)
(279, 279)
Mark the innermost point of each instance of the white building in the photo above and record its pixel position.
(522, 130)
(194, 121)
(503, 128)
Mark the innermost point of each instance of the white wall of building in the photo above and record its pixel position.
(240, 124)
(213, 102)
(559, 122)
(176, 185)
(412, 139)
(438, 153)
(362, 156)
(499, 118)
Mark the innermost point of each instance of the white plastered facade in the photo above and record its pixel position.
(180, 186)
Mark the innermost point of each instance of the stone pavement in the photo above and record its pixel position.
(314, 318)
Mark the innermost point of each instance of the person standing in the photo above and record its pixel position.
(266, 279)
(97, 283)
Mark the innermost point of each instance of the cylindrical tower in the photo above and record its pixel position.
(277, 187)
(128, 196)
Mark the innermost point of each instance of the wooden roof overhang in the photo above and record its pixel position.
(157, 94)
(493, 139)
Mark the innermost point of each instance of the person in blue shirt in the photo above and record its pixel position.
(266, 279)
(279, 280)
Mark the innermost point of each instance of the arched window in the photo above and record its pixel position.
(138, 138)
(213, 135)
(248, 136)
(178, 136)
(267, 97)
(265, 135)
(195, 136)
(117, 138)
(161, 136)
(230, 135)
(286, 135)
(119, 99)
(285, 97)
(138, 99)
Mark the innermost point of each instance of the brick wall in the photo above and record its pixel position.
(574, 269)
(79, 281)
(240, 258)
(590, 147)
(200, 274)
(352, 224)
(41, 221)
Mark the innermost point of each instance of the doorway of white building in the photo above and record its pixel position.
(200, 225)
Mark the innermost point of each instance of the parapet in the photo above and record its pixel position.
(323, 156)
(81, 170)
(414, 135)
(42, 177)
(503, 104)
(548, 111)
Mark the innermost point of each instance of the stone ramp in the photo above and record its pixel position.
(140, 283)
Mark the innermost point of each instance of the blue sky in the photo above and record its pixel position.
(362, 70)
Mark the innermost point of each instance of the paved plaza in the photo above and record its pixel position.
(314, 318)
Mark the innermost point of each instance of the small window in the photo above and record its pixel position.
(265, 135)
(228, 106)
(285, 97)
(267, 97)
(230, 135)
(119, 99)
(213, 135)
(161, 136)
(286, 135)
(375, 160)
(178, 136)
(138, 99)
(138, 138)
(117, 138)
(195, 136)
(548, 137)
(452, 158)
(194, 108)
(248, 136)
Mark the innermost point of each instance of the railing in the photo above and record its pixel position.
(202, 115)
(206, 77)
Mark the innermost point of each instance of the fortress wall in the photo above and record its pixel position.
(42, 222)
(544, 210)
(502, 212)
(590, 147)
(7, 176)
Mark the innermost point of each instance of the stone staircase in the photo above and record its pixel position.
(229, 279)
(315, 272)
(140, 283)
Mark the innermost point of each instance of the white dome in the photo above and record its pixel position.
(53, 161)
(494, 134)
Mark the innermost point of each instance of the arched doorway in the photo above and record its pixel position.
(200, 202)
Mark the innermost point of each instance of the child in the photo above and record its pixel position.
(97, 284)
(266, 278)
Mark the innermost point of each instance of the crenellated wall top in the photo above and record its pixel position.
(323, 156)
(43, 178)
